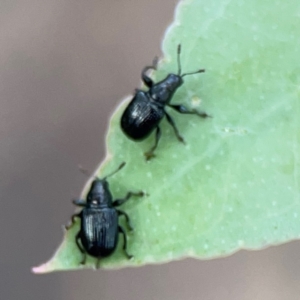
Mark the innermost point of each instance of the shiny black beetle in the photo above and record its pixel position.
(147, 108)
(99, 230)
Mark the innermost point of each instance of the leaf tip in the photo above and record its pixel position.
(42, 269)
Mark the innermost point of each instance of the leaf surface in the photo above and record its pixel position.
(235, 184)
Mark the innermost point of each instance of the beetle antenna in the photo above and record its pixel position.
(191, 73)
(155, 63)
(178, 59)
(86, 172)
(117, 170)
(89, 174)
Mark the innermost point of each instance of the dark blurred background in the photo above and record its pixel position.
(65, 65)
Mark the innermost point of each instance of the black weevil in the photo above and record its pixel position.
(99, 229)
(147, 108)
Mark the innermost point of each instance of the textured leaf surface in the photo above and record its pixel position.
(235, 184)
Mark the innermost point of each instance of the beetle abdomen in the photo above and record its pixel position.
(141, 117)
(99, 231)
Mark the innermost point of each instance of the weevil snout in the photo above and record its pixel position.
(98, 190)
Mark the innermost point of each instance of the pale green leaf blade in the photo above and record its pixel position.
(235, 184)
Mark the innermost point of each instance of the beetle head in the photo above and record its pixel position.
(174, 81)
(163, 91)
(99, 193)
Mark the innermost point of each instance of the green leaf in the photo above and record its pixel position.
(235, 184)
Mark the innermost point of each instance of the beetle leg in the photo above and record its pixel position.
(79, 202)
(98, 263)
(183, 110)
(149, 154)
(121, 230)
(123, 213)
(119, 202)
(67, 227)
(172, 123)
(80, 248)
(147, 80)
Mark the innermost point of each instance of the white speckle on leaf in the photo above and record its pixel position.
(196, 101)
(207, 167)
